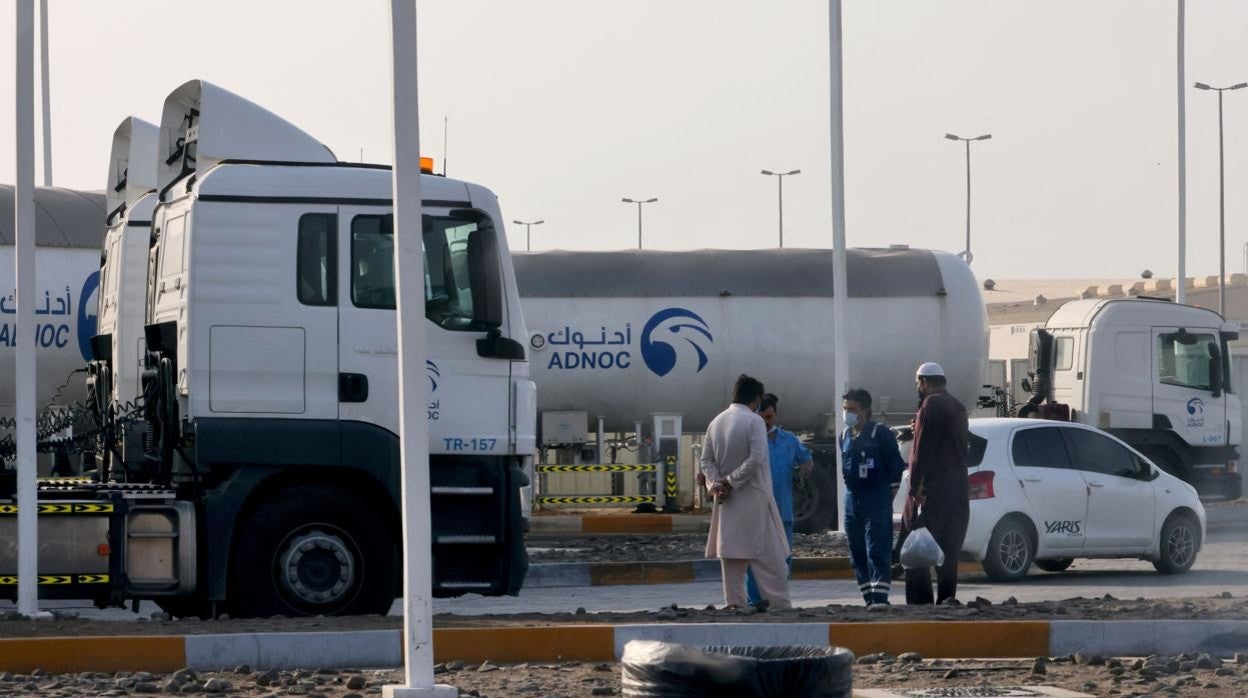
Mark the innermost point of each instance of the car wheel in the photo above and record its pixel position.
(814, 501)
(1055, 565)
(315, 551)
(1180, 539)
(1010, 551)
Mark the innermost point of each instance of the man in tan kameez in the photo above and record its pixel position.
(746, 530)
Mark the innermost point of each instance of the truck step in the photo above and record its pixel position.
(464, 491)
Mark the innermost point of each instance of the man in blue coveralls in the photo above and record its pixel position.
(872, 468)
(786, 453)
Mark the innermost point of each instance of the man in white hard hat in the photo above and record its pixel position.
(937, 497)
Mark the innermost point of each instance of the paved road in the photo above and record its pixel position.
(1221, 566)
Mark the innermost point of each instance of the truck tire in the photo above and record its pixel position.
(814, 501)
(314, 550)
(1059, 565)
(1010, 551)
(1180, 541)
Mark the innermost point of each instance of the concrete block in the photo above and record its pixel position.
(1110, 291)
(263, 651)
(1086, 292)
(557, 574)
(1206, 282)
(1159, 285)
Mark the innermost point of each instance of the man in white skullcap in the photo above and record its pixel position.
(937, 497)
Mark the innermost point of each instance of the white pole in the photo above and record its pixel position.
(1180, 282)
(840, 287)
(24, 270)
(44, 81)
(413, 397)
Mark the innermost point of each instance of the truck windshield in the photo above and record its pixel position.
(1183, 360)
(450, 300)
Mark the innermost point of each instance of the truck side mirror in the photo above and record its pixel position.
(1215, 370)
(1026, 386)
(485, 277)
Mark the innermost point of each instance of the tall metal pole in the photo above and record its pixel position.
(968, 201)
(780, 180)
(24, 270)
(413, 398)
(639, 225)
(45, 79)
(1221, 215)
(1180, 281)
(840, 286)
(528, 237)
(446, 129)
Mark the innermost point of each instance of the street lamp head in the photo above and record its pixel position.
(519, 223)
(650, 201)
(793, 172)
(628, 201)
(768, 172)
(1239, 86)
(538, 222)
(984, 137)
(1203, 86)
(952, 137)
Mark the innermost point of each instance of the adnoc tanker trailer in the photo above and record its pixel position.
(625, 335)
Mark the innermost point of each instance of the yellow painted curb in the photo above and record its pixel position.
(951, 639)
(615, 574)
(637, 523)
(582, 643)
(158, 653)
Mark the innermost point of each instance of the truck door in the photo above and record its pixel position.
(469, 397)
(1183, 390)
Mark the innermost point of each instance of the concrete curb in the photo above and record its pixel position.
(638, 524)
(595, 574)
(604, 643)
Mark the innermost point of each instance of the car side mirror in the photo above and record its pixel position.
(1215, 370)
(1026, 386)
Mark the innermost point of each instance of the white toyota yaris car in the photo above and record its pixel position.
(1049, 492)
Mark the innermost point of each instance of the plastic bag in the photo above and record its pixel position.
(921, 550)
(666, 670)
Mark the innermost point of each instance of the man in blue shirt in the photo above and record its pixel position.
(786, 453)
(872, 468)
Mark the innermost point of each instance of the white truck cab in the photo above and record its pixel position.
(118, 348)
(1153, 373)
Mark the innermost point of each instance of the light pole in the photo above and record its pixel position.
(639, 203)
(528, 229)
(1221, 196)
(780, 180)
(967, 254)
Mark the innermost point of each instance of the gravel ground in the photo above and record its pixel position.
(1221, 607)
(1186, 675)
(660, 548)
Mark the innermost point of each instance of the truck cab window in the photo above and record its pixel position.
(1064, 358)
(1183, 359)
(451, 299)
(316, 266)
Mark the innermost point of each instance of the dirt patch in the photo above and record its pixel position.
(659, 548)
(1186, 675)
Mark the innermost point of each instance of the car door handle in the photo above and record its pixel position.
(1032, 479)
(1097, 485)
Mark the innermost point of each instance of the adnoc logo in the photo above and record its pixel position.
(87, 320)
(1195, 412)
(433, 374)
(657, 351)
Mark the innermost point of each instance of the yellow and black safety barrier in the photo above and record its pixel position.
(59, 579)
(598, 499)
(90, 508)
(599, 468)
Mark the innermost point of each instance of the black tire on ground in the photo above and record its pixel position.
(814, 500)
(1010, 551)
(1180, 541)
(314, 550)
(1060, 565)
(661, 670)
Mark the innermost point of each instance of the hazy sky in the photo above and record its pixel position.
(562, 107)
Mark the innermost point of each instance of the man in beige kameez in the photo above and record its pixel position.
(746, 530)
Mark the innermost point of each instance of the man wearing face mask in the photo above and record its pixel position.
(786, 452)
(937, 497)
(872, 467)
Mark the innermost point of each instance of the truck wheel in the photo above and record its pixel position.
(1180, 539)
(1055, 565)
(315, 550)
(1010, 551)
(814, 501)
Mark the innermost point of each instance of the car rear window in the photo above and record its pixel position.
(1041, 447)
(975, 447)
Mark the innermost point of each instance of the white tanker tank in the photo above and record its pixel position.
(69, 229)
(626, 334)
